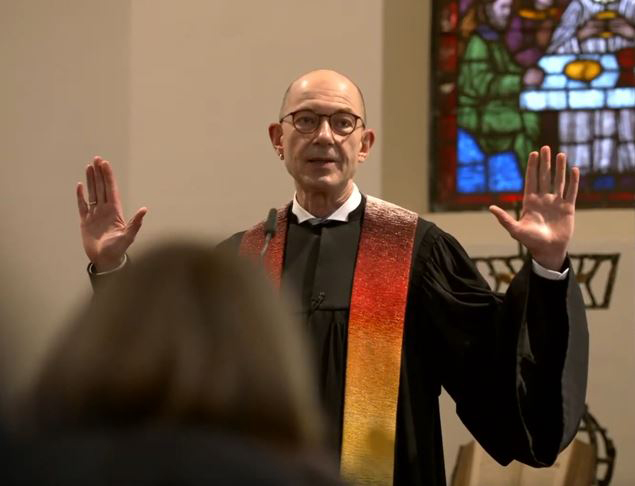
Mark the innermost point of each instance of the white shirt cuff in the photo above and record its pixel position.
(91, 267)
(546, 273)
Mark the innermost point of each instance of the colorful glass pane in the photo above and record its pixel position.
(511, 76)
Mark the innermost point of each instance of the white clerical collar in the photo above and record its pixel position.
(340, 214)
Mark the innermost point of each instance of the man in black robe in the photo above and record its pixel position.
(516, 364)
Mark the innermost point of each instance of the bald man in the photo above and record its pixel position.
(395, 308)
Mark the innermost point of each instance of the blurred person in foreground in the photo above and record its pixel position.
(185, 369)
(394, 306)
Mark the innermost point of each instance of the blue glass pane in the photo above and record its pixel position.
(586, 99)
(555, 64)
(609, 62)
(533, 101)
(504, 174)
(556, 100)
(604, 183)
(467, 146)
(543, 100)
(621, 98)
(470, 178)
(608, 79)
(575, 84)
(554, 81)
(592, 56)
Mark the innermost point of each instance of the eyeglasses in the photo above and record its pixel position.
(307, 121)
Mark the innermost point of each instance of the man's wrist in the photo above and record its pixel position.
(93, 270)
(543, 272)
(550, 261)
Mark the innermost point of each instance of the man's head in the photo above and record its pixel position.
(498, 13)
(323, 160)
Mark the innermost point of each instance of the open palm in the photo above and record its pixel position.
(105, 234)
(546, 221)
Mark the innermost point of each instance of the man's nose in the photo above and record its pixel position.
(324, 133)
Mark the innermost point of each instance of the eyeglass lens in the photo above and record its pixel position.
(307, 121)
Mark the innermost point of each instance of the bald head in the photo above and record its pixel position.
(325, 80)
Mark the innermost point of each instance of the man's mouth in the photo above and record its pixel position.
(320, 160)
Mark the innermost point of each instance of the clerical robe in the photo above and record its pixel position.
(515, 364)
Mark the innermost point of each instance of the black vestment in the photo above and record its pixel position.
(516, 365)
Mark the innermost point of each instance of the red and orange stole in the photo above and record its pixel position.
(375, 333)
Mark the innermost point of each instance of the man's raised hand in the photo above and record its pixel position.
(105, 233)
(546, 221)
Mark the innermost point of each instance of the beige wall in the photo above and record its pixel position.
(405, 154)
(64, 96)
(207, 78)
(178, 95)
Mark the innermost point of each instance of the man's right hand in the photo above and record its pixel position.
(105, 234)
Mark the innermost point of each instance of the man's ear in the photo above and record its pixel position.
(275, 135)
(368, 139)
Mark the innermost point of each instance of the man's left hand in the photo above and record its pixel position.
(547, 217)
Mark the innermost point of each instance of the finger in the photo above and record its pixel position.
(561, 171)
(133, 226)
(574, 182)
(100, 187)
(90, 184)
(110, 183)
(531, 174)
(544, 172)
(82, 205)
(504, 219)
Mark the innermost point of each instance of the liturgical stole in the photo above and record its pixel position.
(375, 332)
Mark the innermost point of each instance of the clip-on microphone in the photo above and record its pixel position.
(270, 230)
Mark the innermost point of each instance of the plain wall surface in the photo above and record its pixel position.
(207, 78)
(64, 97)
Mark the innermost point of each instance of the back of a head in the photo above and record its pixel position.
(185, 336)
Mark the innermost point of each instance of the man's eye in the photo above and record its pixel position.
(305, 120)
(343, 123)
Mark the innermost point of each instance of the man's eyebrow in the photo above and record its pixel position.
(337, 110)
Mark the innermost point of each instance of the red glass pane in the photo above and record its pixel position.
(449, 17)
(480, 199)
(627, 78)
(447, 97)
(621, 196)
(447, 130)
(447, 173)
(626, 58)
(510, 198)
(448, 53)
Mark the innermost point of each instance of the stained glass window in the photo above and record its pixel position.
(509, 76)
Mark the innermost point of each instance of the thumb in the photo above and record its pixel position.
(133, 226)
(504, 219)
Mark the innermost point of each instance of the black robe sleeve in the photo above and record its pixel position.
(515, 364)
